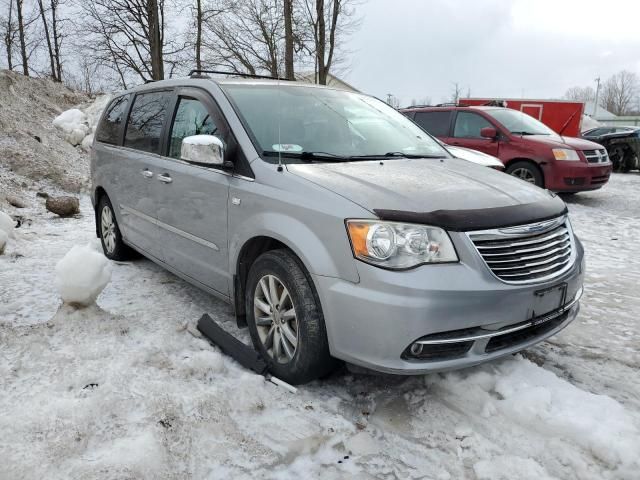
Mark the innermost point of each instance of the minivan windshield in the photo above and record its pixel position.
(305, 123)
(519, 123)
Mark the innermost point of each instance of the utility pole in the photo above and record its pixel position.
(595, 103)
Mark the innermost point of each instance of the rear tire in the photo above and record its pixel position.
(285, 319)
(527, 171)
(110, 237)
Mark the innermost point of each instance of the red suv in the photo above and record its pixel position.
(528, 148)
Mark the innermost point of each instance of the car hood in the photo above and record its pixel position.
(474, 156)
(557, 141)
(429, 185)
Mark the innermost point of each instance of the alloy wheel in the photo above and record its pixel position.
(524, 174)
(275, 318)
(108, 228)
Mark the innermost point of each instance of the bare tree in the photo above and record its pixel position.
(9, 33)
(288, 39)
(620, 93)
(129, 37)
(56, 37)
(456, 92)
(45, 25)
(580, 94)
(248, 37)
(22, 37)
(329, 22)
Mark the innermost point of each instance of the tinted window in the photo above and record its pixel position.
(468, 125)
(145, 122)
(436, 123)
(191, 118)
(109, 129)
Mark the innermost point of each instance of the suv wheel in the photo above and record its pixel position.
(285, 319)
(110, 236)
(526, 171)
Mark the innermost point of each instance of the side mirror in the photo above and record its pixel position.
(488, 132)
(202, 149)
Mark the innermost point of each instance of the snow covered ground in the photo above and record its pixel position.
(128, 389)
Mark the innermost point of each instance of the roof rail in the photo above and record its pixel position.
(448, 104)
(198, 73)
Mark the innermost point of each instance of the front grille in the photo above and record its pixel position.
(528, 253)
(596, 156)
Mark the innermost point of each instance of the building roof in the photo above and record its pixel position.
(332, 81)
(600, 114)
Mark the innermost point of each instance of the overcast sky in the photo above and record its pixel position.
(497, 48)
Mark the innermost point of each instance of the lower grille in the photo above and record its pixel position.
(522, 336)
(515, 255)
(602, 179)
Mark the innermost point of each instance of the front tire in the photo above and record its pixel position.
(527, 171)
(110, 237)
(285, 318)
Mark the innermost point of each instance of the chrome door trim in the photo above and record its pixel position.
(170, 228)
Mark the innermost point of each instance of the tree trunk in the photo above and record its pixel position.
(56, 38)
(23, 45)
(198, 34)
(320, 42)
(288, 40)
(45, 24)
(155, 42)
(8, 39)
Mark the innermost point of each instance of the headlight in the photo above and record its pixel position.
(565, 154)
(399, 245)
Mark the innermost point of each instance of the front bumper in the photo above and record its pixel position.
(373, 323)
(577, 176)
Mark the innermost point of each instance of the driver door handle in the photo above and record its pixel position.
(165, 178)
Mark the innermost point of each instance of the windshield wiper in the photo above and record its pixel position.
(529, 133)
(393, 155)
(308, 156)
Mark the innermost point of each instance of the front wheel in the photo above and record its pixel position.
(112, 245)
(527, 171)
(285, 319)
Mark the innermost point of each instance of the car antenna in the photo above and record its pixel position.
(280, 169)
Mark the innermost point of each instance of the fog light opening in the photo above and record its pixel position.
(416, 349)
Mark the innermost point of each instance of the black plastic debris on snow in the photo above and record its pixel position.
(245, 355)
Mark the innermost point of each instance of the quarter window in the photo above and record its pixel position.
(192, 118)
(435, 123)
(468, 125)
(109, 128)
(145, 122)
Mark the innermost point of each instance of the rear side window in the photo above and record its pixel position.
(109, 128)
(435, 123)
(146, 119)
(192, 118)
(468, 125)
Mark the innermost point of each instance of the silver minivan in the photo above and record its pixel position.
(337, 228)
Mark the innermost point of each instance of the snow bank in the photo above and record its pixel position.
(7, 225)
(531, 396)
(74, 124)
(4, 238)
(82, 274)
(79, 124)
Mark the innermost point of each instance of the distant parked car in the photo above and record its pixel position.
(622, 144)
(529, 149)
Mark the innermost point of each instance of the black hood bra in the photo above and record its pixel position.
(481, 219)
